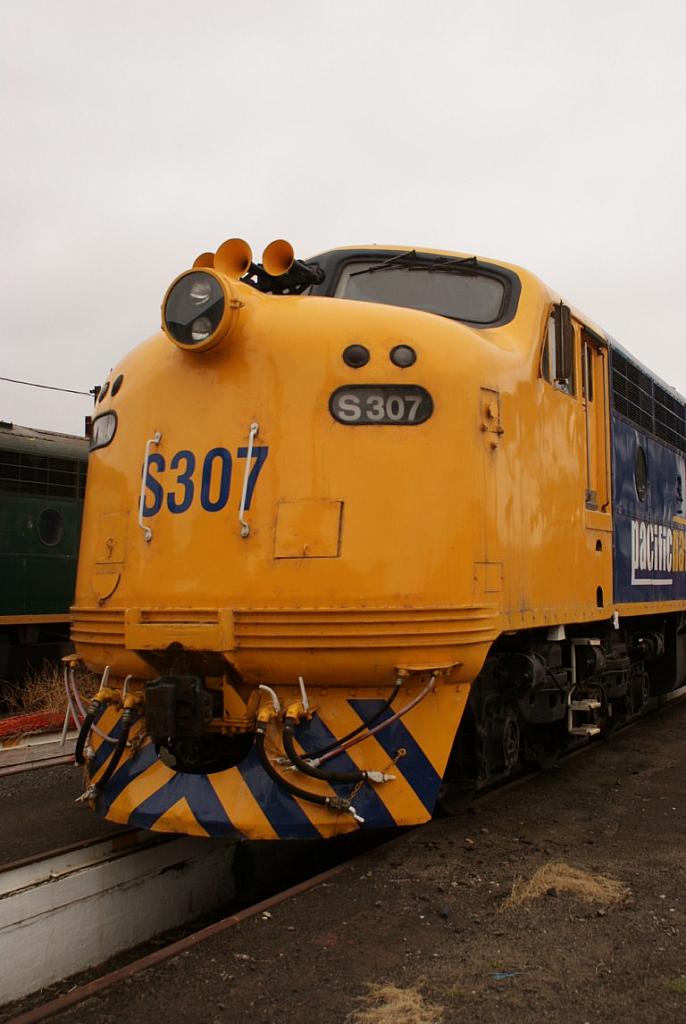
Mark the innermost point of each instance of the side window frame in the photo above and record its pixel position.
(587, 382)
(558, 355)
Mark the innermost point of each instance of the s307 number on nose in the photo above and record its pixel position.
(381, 405)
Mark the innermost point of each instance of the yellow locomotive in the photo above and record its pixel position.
(361, 527)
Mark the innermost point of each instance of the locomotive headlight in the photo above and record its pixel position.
(201, 328)
(196, 312)
(200, 292)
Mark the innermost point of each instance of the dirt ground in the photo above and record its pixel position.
(453, 923)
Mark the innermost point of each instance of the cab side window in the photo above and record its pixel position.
(557, 359)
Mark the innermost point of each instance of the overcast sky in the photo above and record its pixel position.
(136, 135)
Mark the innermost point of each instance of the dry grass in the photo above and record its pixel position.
(44, 690)
(557, 877)
(386, 1004)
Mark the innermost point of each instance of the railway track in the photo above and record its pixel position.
(135, 881)
(26, 750)
(76, 907)
(105, 981)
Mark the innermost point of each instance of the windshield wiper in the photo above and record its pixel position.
(385, 263)
(439, 263)
(452, 261)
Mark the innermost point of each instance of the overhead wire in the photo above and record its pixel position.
(47, 387)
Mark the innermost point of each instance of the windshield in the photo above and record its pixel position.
(449, 290)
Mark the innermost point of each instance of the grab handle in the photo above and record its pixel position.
(147, 531)
(245, 527)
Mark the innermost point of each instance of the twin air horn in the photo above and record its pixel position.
(200, 308)
(279, 273)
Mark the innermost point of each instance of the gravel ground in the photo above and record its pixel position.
(38, 813)
(424, 929)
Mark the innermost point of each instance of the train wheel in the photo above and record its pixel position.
(639, 690)
(510, 741)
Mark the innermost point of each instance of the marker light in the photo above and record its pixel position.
(103, 429)
(403, 355)
(356, 355)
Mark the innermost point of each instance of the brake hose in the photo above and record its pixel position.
(336, 803)
(360, 728)
(345, 744)
(307, 769)
(72, 688)
(113, 764)
(85, 729)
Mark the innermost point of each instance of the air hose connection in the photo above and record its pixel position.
(335, 803)
(294, 714)
(105, 695)
(309, 764)
(130, 703)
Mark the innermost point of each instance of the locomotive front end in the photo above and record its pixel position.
(285, 575)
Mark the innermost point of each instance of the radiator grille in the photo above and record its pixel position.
(645, 403)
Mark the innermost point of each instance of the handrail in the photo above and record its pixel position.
(147, 530)
(245, 527)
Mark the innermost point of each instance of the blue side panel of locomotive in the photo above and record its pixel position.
(649, 528)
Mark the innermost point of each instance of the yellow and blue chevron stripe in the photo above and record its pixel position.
(243, 800)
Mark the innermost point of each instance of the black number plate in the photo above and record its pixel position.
(381, 404)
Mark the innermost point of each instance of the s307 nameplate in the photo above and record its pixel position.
(403, 405)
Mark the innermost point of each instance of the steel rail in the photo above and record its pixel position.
(90, 895)
(42, 762)
(42, 749)
(120, 836)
